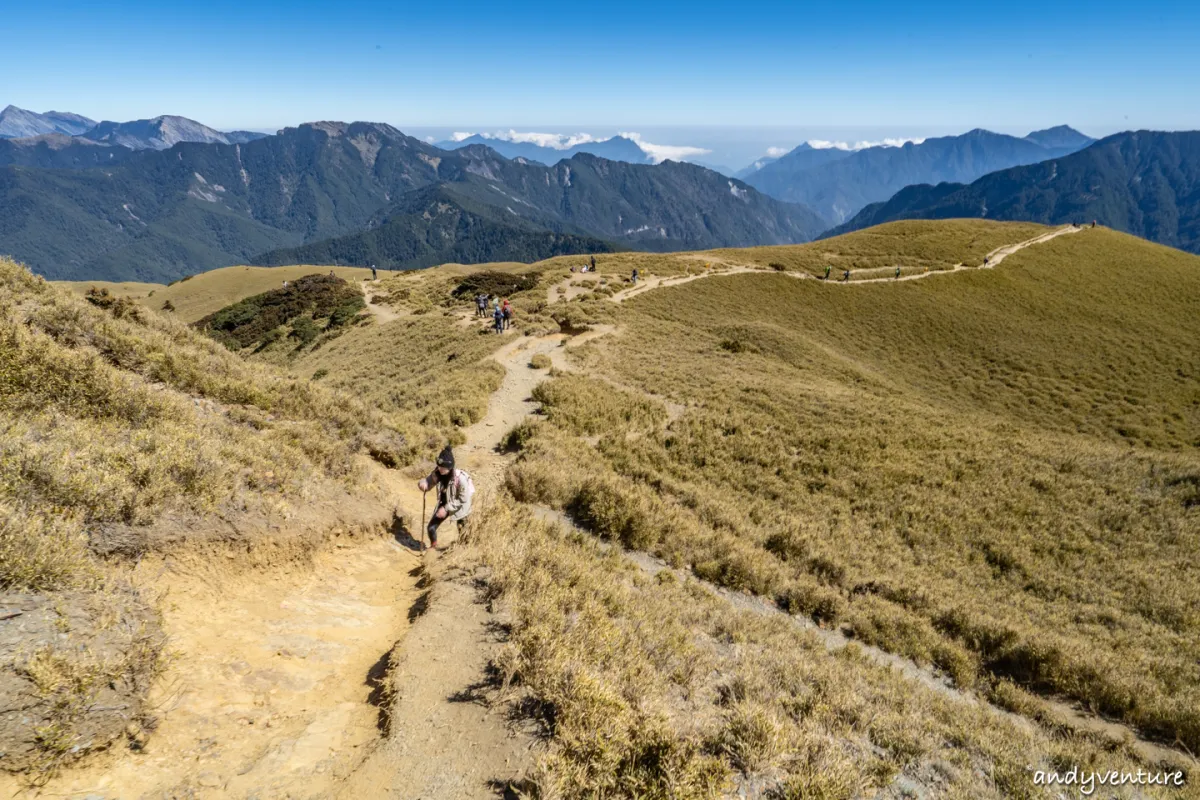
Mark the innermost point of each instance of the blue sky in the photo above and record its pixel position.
(911, 68)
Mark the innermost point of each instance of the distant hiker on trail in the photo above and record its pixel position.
(455, 491)
(498, 319)
(593, 263)
(495, 302)
(481, 305)
(506, 312)
(634, 277)
(985, 261)
(374, 274)
(331, 274)
(1093, 223)
(846, 276)
(828, 269)
(897, 273)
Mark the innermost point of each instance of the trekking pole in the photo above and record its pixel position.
(423, 519)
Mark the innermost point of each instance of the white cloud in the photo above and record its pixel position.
(561, 141)
(555, 141)
(558, 141)
(776, 152)
(661, 152)
(822, 144)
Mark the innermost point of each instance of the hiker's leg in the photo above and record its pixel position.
(432, 528)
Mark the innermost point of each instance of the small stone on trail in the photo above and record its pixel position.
(209, 779)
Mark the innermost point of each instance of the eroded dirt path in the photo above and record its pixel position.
(446, 741)
(268, 691)
(381, 311)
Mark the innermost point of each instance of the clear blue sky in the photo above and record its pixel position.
(1013, 66)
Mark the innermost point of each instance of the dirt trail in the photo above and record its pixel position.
(657, 282)
(380, 311)
(445, 741)
(993, 258)
(276, 683)
(268, 692)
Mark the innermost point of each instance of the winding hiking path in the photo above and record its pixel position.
(835, 639)
(445, 741)
(993, 258)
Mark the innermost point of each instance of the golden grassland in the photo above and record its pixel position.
(911, 243)
(114, 422)
(130, 289)
(427, 372)
(907, 243)
(116, 416)
(654, 687)
(200, 295)
(994, 472)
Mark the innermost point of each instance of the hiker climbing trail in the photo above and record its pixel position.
(445, 742)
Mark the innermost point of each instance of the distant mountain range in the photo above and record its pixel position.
(839, 183)
(437, 225)
(177, 197)
(163, 132)
(159, 133)
(160, 214)
(17, 122)
(618, 148)
(1142, 182)
(750, 169)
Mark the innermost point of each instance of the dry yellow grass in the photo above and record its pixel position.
(649, 687)
(118, 419)
(995, 472)
(992, 472)
(116, 422)
(910, 244)
(125, 289)
(202, 294)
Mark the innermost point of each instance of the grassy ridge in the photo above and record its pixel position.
(945, 467)
(907, 244)
(652, 687)
(102, 423)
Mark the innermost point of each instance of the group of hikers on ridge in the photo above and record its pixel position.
(501, 311)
